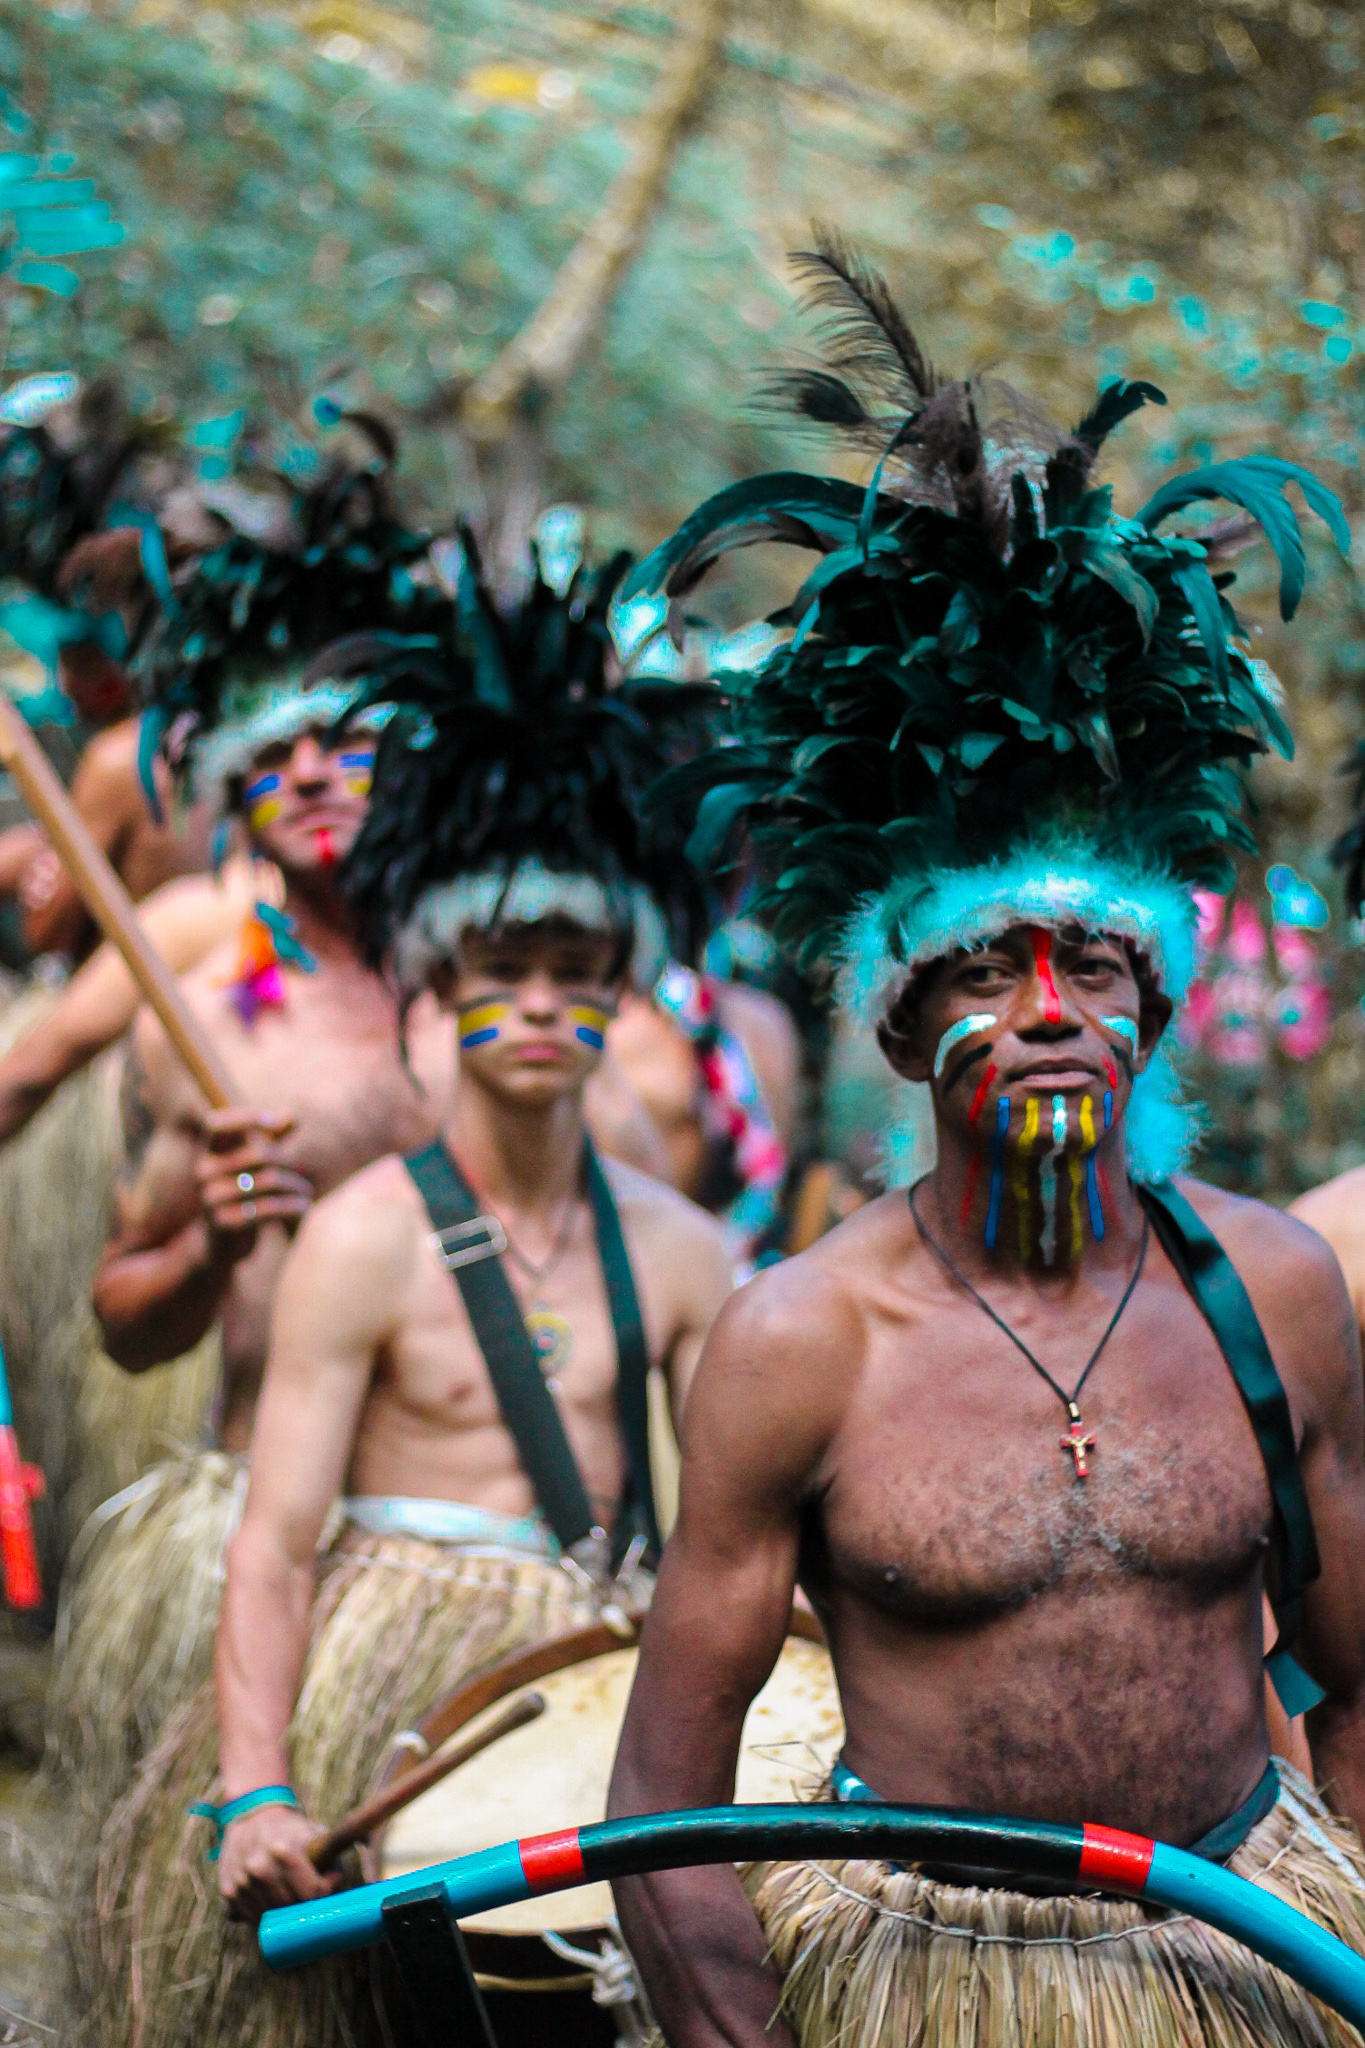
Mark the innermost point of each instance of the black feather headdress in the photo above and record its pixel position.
(84, 465)
(986, 658)
(1000, 702)
(224, 664)
(512, 782)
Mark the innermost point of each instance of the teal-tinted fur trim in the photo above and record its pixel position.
(927, 916)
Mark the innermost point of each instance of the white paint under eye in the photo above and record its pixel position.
(965, 1027)
(1122, 1027)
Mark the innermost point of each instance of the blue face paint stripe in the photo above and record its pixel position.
(997, 1194)
(474, 1038)
(1092, 1196)
(1108, 1108)
(585, 1036)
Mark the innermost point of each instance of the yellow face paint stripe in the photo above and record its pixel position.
(1074, 1168)
(590, 1024)
(1087, 1123)
(480, 1025)
(1028, 1137)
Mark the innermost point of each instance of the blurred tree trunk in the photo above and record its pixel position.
(543, 355)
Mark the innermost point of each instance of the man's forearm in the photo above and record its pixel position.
(258, 1663)
(153, 1303)
(1336, 1738)
(693, 1933)
(701, 1952)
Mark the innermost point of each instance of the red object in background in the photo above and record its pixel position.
(19, 1484)
(95, 683)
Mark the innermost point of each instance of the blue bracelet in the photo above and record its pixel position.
(222, 1817)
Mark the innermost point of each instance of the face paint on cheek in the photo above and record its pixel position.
(965, 1027)
(1002, 1124)
(974, 1164)
(1123, 1027)
(358, 771)
(589, 1025)
(482, 1024)
(1042, 960)
(979, 1099)
(262, 802)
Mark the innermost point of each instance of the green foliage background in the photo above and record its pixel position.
(337, 193)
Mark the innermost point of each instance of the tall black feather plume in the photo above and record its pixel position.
(250, 609)
(513, 741)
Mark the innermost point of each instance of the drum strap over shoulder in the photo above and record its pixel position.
(470, 1244)
(1214, 1284)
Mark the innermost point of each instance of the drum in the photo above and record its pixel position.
(553, 1774)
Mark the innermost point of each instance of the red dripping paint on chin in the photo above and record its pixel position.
(1042, 954)
(327, 852)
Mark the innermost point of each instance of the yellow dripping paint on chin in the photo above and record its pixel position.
(1028, 1137)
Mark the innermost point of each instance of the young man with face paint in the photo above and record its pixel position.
(462, 1335)
(1000, 1427)
(309, 1034)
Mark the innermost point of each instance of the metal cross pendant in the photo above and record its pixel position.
(1077, 1442)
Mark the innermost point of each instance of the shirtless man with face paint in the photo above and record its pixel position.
(985, 1425)
(310, 1035)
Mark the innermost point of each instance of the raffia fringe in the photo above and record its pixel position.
(91, 1427)
(159, 1965)
(874, 1957)
(136, 1621)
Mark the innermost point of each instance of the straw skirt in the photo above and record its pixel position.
(398, 1623)
(875, 1957)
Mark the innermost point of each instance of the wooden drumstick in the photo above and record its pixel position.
(362, 1821)
(109, 903)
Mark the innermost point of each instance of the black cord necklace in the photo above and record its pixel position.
(1076, 1441)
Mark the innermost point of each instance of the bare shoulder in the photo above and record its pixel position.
(1296, 1286)
(651, 1205)
(1270, 1247)
(370, 1229)
(1336, 1210)
(805, 1311)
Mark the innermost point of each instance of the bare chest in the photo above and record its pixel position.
(964, 1501)
(435, 1400)
(329, 1058)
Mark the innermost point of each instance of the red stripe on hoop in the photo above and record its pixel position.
(1115, 1859)
(549, 1860)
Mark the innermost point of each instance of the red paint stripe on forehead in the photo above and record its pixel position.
(1118, 1861)
(1042, 954)
(551, 1859)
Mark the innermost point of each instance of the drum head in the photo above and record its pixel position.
(554, 1773)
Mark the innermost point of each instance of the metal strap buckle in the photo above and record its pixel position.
(463, 1244)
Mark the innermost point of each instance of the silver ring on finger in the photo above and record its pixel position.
(248, 1212)
(246, 1183)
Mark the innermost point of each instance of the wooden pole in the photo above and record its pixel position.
(362, 1821)
(109, 903)
(547, 349)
